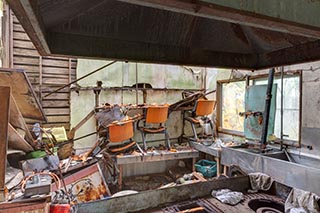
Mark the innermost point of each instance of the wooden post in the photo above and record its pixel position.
(40, 79)
(218, 166)
(193, 164)
(4, 119)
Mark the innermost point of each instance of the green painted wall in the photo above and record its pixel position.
(124, 74)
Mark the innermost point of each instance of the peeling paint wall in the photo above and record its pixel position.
(121, 74)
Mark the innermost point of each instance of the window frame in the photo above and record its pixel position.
(248, 79)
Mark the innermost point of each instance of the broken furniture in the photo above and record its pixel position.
(85, 185)
(154, 123)
(157, 155)
(202, 109)
(119, 132)
(190, 194)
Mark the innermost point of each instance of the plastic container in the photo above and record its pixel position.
(206, 168)
(60, 208)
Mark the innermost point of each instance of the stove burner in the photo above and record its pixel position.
(267, 210)
(195, 206)
(266, 206)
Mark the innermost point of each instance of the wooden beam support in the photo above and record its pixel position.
(29, 19)
(5, 94)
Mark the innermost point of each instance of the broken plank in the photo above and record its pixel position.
(23, 93)
(16, 141)
(17, 120)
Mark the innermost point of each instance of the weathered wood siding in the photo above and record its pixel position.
(45, 74)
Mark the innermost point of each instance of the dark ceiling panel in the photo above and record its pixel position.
(119, 30)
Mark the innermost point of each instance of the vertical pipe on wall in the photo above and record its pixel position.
(137, 100)
(266, 113)
(281, 112)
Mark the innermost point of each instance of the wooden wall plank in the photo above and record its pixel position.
(24, 52)
(57, 111)
(23, 44)
(58, 118)
(45, 74)
(55, 104)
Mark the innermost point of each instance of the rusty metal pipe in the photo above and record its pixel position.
(266, 113)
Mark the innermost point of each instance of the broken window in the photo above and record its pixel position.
(291, 106)
(232, 104)
(232, 96)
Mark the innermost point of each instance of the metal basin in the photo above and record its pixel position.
(292, 170)
(294, 158)
(264, 205)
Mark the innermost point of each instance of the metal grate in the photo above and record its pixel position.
(207, 207)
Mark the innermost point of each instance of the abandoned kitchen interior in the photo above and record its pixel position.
(160, 106)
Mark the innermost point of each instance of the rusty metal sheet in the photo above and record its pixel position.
(255, 102)
(154, 198)
(88, 184)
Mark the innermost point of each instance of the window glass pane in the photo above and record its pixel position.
(233, 103)
(291, 98)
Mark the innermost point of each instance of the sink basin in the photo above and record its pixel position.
(293, 170)
(294, 158)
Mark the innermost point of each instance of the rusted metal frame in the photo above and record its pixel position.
(5, 94)
(300, 109)
(137, 51)
(154, 198)
(72, 82)
(232, 15)
(142, 89)
(162, 156)
(281, 113)
(30, 20)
